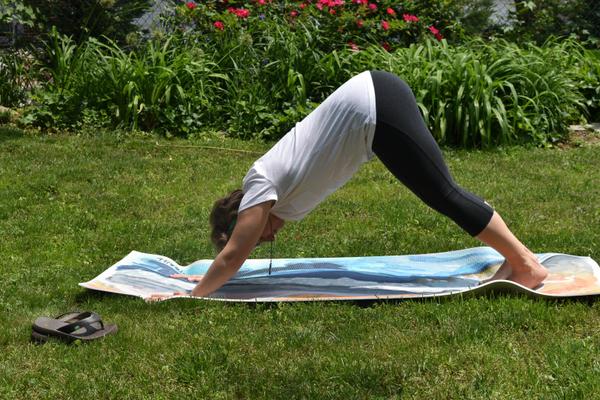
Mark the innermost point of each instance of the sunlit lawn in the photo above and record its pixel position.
(71, 206)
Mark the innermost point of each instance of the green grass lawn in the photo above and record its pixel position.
(70, 206)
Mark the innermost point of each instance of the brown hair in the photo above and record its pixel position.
(223, 217)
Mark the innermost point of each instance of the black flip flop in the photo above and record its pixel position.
(72, 326)
(68, 317)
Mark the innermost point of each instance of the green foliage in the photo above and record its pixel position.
(89, 18)
(136, 90)
(17, 11)
(538, 20)
(477, 94)
(17, 76)
(590, 86)
(485, 94)
(337, 24)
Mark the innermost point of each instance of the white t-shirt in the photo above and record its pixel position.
(318, 155)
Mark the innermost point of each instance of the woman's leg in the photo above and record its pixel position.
(405, 146)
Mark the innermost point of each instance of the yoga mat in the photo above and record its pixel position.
(351, 278)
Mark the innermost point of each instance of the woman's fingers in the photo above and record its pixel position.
(158, 297)
(190, 278)
(164, 296)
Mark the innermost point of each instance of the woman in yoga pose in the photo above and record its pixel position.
(373, 113)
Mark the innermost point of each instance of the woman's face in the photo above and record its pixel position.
(274, 224)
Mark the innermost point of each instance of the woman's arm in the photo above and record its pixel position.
(245, 236)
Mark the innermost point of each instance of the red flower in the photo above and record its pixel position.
(360, 23)
(435, 32)
(190, 5)
(262, 2)
(373, 6)
(410, 18)
(294, 13)
(302, 6)
(240, 12)
(391, 11)
(386, 46)
(385, 25)
(332, 11)
(353, 46)
(219, 25)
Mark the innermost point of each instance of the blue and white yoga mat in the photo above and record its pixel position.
(350, 278)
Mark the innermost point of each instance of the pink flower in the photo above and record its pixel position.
(302, 6)
(385, 25)
(360, 23)
(332, 11)
(219, 25)
(319, 6)
(262, 2)
(391, 11)
(294, 13)
(190, 5)
(435, 32)
(240, 12)
(373, 6)
(353, 46)
(410, 18)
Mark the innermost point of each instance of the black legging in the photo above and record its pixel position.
(405, 146)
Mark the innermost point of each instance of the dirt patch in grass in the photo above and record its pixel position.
(582, 135)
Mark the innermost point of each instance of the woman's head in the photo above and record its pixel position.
(223, 217)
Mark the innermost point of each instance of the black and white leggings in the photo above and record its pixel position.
(405, 146)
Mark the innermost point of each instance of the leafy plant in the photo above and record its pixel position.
(260, 81)
(17, 76)
(485, 94)
(89, 18)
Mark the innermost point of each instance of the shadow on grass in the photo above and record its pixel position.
(10, 133)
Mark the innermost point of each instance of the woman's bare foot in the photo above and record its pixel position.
(501, 274)
(529, 272)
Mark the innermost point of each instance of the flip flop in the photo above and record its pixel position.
(68, 317)
(72, 326)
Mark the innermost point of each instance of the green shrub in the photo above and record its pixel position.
(477, 94)
(590, 83)
(485, 94)
(88, 18)
(538, 20)
(162, 86)
(17, 76)
(335, 23)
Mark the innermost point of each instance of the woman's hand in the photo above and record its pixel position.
(164, 296)
(190, 278)
(246, 234)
